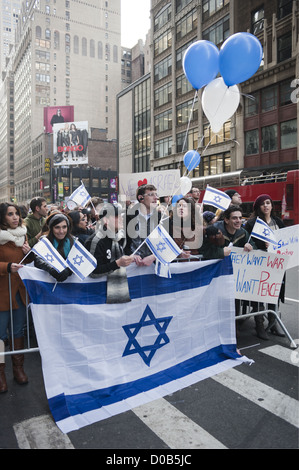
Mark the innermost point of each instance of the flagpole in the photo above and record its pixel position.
(25, 256)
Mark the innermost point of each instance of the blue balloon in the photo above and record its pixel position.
(239, 58)
(175, 199)
(191, 159)
(201, 63)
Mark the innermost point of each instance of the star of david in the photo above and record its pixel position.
(266, 232)
(161, 246)
(82, 193)
(49, 258)
(217, 199)
(78, 260)
(147, 352)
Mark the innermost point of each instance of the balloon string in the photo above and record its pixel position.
(189, 121)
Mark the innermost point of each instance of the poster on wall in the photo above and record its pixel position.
(57, 115)
(70, 143)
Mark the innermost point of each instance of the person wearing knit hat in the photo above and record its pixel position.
(263, 208)
(235, 197)
(209, 217)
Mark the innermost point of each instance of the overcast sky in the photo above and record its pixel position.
(135, 21)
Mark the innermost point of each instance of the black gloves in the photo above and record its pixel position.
(60, 277)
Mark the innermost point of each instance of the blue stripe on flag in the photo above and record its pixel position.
(63, 406)
(140, 286)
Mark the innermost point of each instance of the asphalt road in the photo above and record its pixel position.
(248, 407)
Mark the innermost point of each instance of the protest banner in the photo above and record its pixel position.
(258, 274)
(166, 182)
(287, 244)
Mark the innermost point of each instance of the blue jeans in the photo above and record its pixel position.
(19, 320)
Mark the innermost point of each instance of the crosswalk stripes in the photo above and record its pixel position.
(177, 431)
(282, 354)
(170, 424)
(262, 395)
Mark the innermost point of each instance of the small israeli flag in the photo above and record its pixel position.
(80, 196)
(216, 198)
(49, 254)
(162, 245)
(81, 261)
(262, 231)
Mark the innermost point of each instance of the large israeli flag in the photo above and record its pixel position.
(101, 359)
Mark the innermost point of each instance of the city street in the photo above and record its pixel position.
(247, 407)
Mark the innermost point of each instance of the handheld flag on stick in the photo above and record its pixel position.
(162, 245)
(48, 253)
(216, 198)
(263, 232)
(80, 196)
(80, 261)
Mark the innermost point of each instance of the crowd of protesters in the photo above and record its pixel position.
(116, 242)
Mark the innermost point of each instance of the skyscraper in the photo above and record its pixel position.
(67, 53)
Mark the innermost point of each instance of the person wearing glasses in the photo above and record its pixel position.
(141, 220)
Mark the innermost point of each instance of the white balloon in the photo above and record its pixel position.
(186, 184)
(219, 102)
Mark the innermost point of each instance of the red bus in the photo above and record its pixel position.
(282, 187)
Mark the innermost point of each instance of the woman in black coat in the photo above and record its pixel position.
(263, 208)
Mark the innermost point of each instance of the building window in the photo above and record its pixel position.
(100, 50)
(269, 138)
(180, 4)
(162, 69)
(288, 134)
(162, 17)
(76, 45)
(257, 21)
(185, 142)
(163, 95)
(252, 105)
(218, 32)
(84, 46)
(216, 164)
(284, 8)
(252, 142)
(284, 47)
(92, 48)
(163, 121)
(163, 147)
(183, 112)
(162, 43)
(269, 98)
(186, 24)
(209, 7)
(183, 86)
(285, 92)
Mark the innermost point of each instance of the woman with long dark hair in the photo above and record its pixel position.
(13, 247)
(263, 208)
(59, 234)
(185, 227)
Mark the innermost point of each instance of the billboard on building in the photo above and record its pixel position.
(70, 143)
(57, 115)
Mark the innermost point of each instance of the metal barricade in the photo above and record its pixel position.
(27, 328)
(275, 313)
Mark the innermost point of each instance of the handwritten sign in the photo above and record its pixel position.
(287, 244)
(167, 182)
(258, 274)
